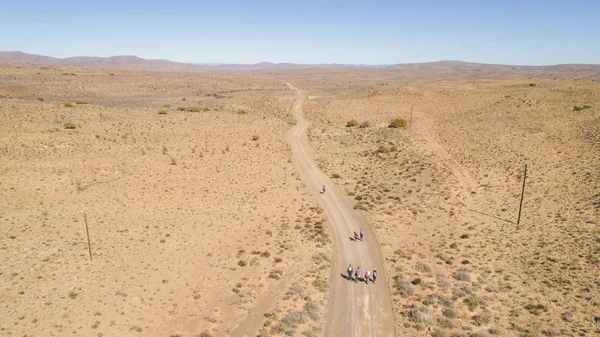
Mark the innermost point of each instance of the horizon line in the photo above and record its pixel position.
(216, 64)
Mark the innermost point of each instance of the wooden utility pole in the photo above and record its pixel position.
(88, 235)
(205, 141)
(411, 110)
(522, 195)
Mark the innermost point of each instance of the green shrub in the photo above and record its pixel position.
(80, 102)
(579, 108)
(181, 108)
(69, 125)
(255, 137)
(383, 149)
(351, 123)
(195, 108)
(167, 106)
(69, 105)
(532, 84)
(398, 123)
(41, 99)
(162, 112)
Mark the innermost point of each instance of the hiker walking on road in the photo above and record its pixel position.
(357, 274)
(374, 275)
(362, 233)
(350, 271)
(323, 192)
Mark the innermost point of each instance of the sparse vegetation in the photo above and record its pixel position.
(80, 102)
(403, 287)
(352, 123)
(255, 137)
(462, 275)
(69, 125)
(68, 104)
(398, 123)
(321, 283)
(579, 108)
(162, 112)
(365, 124)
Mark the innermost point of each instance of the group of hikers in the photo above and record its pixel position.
(362, 234)
(354, 274)
(357, 277)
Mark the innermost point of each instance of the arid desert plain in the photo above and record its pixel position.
(202, 193)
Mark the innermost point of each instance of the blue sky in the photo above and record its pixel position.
(369, 32)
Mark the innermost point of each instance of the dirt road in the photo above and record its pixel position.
(355, 309)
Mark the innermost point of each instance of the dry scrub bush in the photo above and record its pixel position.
(398, 123)
(69, 105)
(450, 312)
(162, 112)
(445, 323)
(69, 125)
(289, 323)
(321, 284)
(312, 309)
(80, 102)
(422, 266)
(404, 287)
(462, 275)
(419, 315)
(352, 123)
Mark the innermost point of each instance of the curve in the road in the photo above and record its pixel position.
(355, 309)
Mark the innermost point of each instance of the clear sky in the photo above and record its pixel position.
(369, 32)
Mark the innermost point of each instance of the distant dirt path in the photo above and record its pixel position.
(355, 309)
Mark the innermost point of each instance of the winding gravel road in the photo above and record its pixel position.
(355, 309)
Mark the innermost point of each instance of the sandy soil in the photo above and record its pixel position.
(196, 216)
(443, 198)
(201, 225)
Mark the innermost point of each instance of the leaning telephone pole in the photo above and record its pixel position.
(522, 195)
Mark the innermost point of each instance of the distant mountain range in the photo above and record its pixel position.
(407, 71)
(158, 65)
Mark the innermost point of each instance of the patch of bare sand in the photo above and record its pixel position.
(443, 198)
(195, 211)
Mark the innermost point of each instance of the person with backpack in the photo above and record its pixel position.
(350, 272)
(374, 275)
(362, 233)
(356, 274)
(367, 276)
